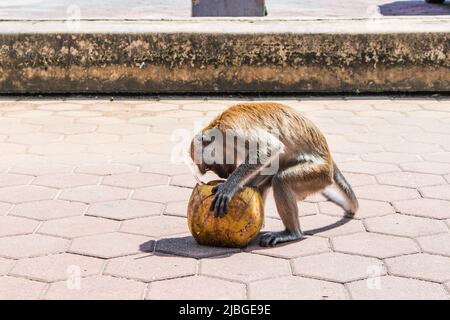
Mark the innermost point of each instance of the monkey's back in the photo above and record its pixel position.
(295, 130)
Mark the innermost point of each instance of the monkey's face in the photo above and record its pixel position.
(208, 151)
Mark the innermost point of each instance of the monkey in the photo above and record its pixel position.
(301, 164)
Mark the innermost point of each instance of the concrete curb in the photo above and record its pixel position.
(292, 56)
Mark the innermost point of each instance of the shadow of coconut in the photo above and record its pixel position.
(186, 246)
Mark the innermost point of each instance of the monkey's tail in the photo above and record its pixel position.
(346, 198)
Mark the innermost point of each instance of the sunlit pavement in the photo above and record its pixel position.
(91, 205)
(181, 9)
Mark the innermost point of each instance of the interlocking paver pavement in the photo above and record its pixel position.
(92, 207)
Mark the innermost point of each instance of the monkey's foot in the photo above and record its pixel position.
(270, 239)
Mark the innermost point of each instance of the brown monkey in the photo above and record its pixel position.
(303, 164)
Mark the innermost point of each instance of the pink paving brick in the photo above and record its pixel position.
(75, 227)
(151, 267)
(403, 225)
(12, 288)
(296, 288)
(97, 288)
(396, 288)
(374, 245)
(421, 266)
(343, 267)
(31, 245)
(310, 245)
(196, 287)
(109, 245)
(241, 267)
(88, 186)
(10, 226)
(56, 267)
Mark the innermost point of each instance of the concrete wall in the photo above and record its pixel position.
(176, 59)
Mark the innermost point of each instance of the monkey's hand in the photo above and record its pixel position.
(222, 196)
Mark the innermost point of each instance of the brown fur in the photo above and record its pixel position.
(299, 173)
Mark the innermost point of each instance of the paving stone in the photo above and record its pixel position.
(28, 114)
(241, 267)
(10, 226)
(304, 208)
(115, 148)
(147, 138)
(413, 147)
(367, 208)
(157, 106)
(162, 194)
(57, 148)
(151, 268)
(427, 167)
(186, 246)
(367, 167)
(308, 246)
(166, 168)
(106, 170)
(183, 180)
(90, 194)
(48, 209)
(135, 180)
(327, 226)
(70, 128)
(12, 288)
(92, 138)
(109, 245)
(97, 288)
(123, 129)
(390, 157)
(11, 179)
(112, 142)
(337, 267)
(403, 225)
(376, 137)
(31, 245)
(125, 209)
(421, 266)
(41, 170)
(355, 147)
(359, 179)
(395, 288)
(74, 227)
(428, 208)
(63, 181)
(385, 193)
(156, 226)
(178, 208)
(4, 208)
(438, 157)
(34, 138)
(436, 192)
(5, 266)
(196, 287)
(11, 148)
(140, 159)
(15, 128)
(374, 245)
(57, 267)
(410, 179)
(49, 120)
(270, 224)
(296, 288)
(436, 244)
(19, 194)
(60, 106)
